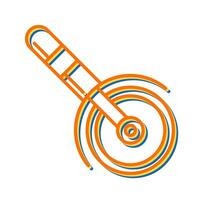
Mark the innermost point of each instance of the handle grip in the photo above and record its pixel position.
(60, 60)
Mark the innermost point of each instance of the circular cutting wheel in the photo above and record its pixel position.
(130, 131)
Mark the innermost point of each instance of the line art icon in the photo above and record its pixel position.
(105, 100)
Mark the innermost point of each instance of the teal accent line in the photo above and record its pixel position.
(57, 57)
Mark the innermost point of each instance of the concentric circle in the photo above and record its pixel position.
(125, 124)
(131, 131)
(127, 127)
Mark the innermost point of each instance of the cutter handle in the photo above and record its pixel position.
(60, 60)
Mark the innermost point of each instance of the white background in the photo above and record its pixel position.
(38, 158)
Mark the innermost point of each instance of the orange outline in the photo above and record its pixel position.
(61, 77)
(98, 88)
(40, 49)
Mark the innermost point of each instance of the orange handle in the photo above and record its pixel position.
(51, 50)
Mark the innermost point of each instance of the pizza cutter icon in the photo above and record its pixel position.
(104, 98)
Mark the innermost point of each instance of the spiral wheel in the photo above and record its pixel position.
(127, 128)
